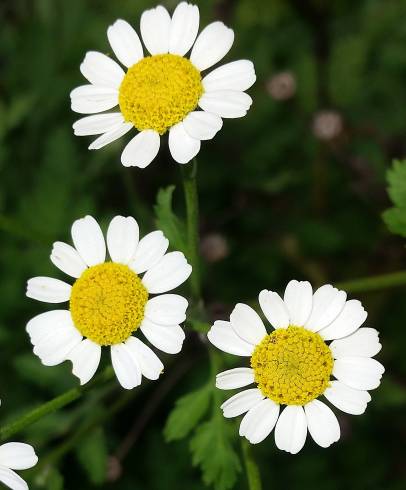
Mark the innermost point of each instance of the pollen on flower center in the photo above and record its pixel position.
(292, 366)
(159, 91)
(107, 303)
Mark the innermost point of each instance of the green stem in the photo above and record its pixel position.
(189, 177)
(373, 283)
(252, 470)
(49, 407)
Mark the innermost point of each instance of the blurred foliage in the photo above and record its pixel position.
(296, 189)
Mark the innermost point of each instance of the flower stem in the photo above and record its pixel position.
(374, 282)
(189, 177)
(251, 468)
(49, 407)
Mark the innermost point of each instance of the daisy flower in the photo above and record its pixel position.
(164, 90)
(109, 301)
(15, 456)
(293, 364)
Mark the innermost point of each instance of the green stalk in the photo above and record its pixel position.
(189, 178)
(373, 283)
(251, 468)
(52, 406)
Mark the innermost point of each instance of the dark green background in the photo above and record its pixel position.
(288, 204)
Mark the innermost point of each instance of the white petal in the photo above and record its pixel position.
(234, 378)
(247, 324)
(89, 241)
(322, 423)
(53, 345)
(351, 317)
(213, 43)
(97, 124)
(347, 399)
(150, 364)
(101, 70)
(181, 145)
(166, 309)
(141, 150)
(237, 75)
(184, 28)
(361, 373)
(291, 429)
(170, 272)
(17, 456)
(67, 259)
(122, 239)
(226, 103)
(125, 366)
(364, 343)
(155, 28)
(11, 479)
(241, 402)
(112, 135)
(298, 301)
(90, 99)
(328, 302)
(85, 359)
(125, 43)
(274, 309)
(258, 423)
(48, 290)
(223, 336)
(42, 325)
(166, 338)
(149, 252)
(202, 125)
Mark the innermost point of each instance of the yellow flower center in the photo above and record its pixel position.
(292, 366)
(159, 91)
(107, 303)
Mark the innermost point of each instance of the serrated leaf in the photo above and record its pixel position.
(396, 177)
(92, 455)
(395, 218)
(213, 451)
(187, 413)
(167, 221)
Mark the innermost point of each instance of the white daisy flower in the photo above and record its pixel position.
(109, 301)
(15, 456)
(293, 364)
(164, 91)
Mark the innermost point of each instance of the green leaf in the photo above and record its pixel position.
(395, 218)
(396, 177)
(167, 221)
(213, 451)
(187, 412)
(92, 455)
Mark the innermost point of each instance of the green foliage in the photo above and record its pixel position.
(167, 221)
(212, 441)
(395, 217)
(92, 455)
(54, 480)
(212, 450)
(346, 69)
(188, 411)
